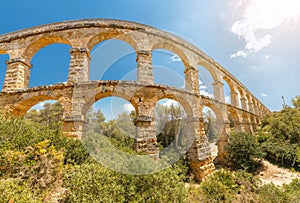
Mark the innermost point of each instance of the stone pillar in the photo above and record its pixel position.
(191, 79)
(73, 116)
(145, 70)
(219, 91)
(223, 140)
(247, 124)
(17, 74)
(73, 126)
(256, 111)
(79, 68)
(145, 140)
(199, 153)
(254, 124)
(239, 126)
(234, 98)
(250, 106)
(244, 103)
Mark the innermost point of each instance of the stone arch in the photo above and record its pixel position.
(183, 102)
(175, 136)
(166, 62)
(109, 56)
(3, 52)
(243, 98)
(100, 95)
(231, 89)
(227, 92)
(34, 47)
(219, 116)
(179, 51)
(20, 108)
(53, 61)
(216, 110)
(210, 68)
(206, 81)
(242, 93)
(218, 124)
(237, 120)
(112, 34)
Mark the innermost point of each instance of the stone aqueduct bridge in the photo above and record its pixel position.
(78, 93)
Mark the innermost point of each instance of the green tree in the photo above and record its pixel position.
(50, 115)
(170, 125)
(280, 134)
(243, 148)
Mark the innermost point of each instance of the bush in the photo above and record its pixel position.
(16, 190)
(243, 148)
(94, 183)
(226, 186)
(17, 134)
(271, 194)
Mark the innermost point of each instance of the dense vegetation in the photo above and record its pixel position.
(39, 164)
(279, 136)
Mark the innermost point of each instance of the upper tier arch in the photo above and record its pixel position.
(42, 42)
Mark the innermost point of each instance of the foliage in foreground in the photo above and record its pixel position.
(58, 166)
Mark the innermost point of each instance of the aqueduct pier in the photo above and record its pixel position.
(78, 93)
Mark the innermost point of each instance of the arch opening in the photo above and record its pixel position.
(110, 122)
(170, 127)
(113, 60)
(227, 91)
(213, 127)
(47, 112)
(239, 98)
(210, 124)
(167, 63)
(43, 42)
(50, 65)
(235, 125)
(3, 58)
(205, 82)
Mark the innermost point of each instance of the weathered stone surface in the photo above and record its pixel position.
(78, 93)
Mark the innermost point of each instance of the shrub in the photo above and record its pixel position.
(94, 183)
(243, 148)
(16, 190)
(17, 134)
(271, 194)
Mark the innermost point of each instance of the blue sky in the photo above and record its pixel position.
(257, 41)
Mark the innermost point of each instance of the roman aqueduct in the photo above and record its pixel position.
(78, 93)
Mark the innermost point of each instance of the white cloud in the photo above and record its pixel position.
(202, 87)
(175, 58)
(267, 56)
(128, 107)
(206, 93)
(260, 19)
(263, 95)
(239, 53)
